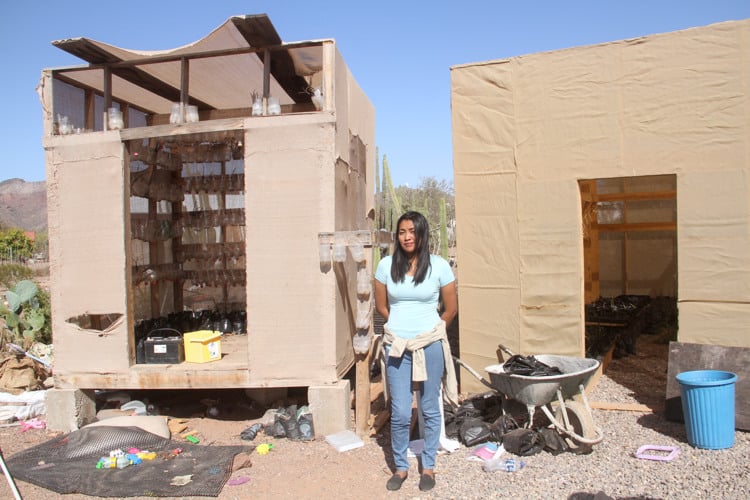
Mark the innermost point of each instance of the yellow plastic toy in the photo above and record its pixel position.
(264, 448)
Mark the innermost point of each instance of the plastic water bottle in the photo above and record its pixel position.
(511, 465)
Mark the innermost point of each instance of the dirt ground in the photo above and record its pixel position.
(314, 469)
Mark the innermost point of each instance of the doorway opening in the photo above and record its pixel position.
(630, 262)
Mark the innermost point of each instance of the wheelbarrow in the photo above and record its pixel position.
(571, 417)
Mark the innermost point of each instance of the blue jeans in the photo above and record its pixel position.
(398, 371)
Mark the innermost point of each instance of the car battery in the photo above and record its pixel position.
(164, 350)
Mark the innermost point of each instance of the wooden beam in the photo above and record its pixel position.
(282, 68)
(266, 73)
(606, 405)
(88, 109)
(362, 407)
(107, 87)
(635, 196)
(637, 226)
(184, 82)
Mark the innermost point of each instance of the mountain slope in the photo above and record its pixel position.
(23, 204)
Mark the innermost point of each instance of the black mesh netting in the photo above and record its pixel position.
(68, 465)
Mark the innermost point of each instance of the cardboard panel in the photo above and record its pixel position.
(483, 120)
(86, 232)
(488, 207)
(714, 235)
(720, 323)
(288, 298)
(682, 104)
(566, 113)
(675, 103)
(491, 319)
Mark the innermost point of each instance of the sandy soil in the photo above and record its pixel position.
(295, 469)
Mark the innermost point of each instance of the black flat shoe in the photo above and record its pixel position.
(395, 482)
(426, 482)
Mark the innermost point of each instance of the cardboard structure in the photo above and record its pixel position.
(533, 134)
(196, 200)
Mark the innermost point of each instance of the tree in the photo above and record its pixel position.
(14, 244)
(433, 198)
(427, 198)
(41, 243)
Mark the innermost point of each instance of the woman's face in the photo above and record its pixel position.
(407, 237)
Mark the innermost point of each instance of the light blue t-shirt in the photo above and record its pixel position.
(413, 310)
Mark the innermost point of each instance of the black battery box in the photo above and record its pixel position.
(164, 350)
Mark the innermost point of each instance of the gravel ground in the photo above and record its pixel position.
(315, 470)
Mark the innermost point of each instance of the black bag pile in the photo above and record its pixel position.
(529, 366)
(289, 422)
(480, 420)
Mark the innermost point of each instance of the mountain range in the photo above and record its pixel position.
(23, 204)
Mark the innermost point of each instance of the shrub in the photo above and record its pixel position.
(10, 274)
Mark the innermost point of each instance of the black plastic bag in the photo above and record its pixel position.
(529, 366)
(523, 442)
(474, 431)
(288, 419)
(455, 417)
(252, 431)
(503, 425)
(554, 443)
(305, 424)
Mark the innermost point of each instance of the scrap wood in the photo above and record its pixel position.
(177, 425)
(241, 461)
(380, 419)
(606, 359)
(605, 405)
(376, 389)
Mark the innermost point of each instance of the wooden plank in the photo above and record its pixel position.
(687, 357)
(376, 389)
(258, 31)
(362, 409)
(603, 364)
(381, 419)
(637, 226)
(637, 196)
(606, 405)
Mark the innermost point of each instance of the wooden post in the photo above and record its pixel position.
(362, 394)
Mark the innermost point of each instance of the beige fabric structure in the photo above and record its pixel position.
(306, 172)
(528, 128)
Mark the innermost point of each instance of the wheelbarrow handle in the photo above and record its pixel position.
(505, 350)
(475, 373)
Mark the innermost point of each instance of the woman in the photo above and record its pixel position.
(408, 287)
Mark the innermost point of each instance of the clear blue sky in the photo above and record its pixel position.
(400, 52)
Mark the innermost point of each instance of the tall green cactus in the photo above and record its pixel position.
(443, 231)
(391, 190)
(378, 209)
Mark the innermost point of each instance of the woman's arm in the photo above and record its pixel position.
(450, 302)
(381, 299)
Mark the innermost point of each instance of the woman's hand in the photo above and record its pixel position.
(381, 299)
(450, 302)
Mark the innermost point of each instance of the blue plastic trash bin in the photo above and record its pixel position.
(708, 407)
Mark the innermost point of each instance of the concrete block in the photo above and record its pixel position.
(331, 407)
(69, 409)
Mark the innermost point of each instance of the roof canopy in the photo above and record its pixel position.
(219, 71)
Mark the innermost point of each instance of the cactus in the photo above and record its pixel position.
(394, 197)
(23, 313)
(443, 231)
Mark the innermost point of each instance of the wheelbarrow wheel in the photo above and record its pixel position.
(581, 424)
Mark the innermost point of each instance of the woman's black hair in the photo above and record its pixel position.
(400, 261)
